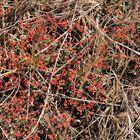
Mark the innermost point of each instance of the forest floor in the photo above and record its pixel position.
(70, 70)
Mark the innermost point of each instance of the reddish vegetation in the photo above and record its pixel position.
(69, 71)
